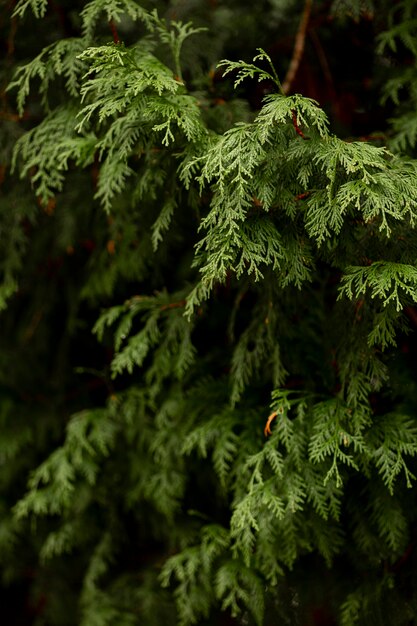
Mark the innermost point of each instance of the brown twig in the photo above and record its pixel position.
(11, 37)
(13, 117)
(173, 305)
(298, 47)
(296, 126)
(302, 196)
(267, 429)
(324, 63)
(371, 138)
(114, 31)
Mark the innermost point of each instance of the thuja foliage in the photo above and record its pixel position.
(209, 288)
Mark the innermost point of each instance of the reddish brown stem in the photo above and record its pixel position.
(302, 196)
(13, 117)
(298, 47)
(371, 138)
(113, 29)
(296, 126)
(11, 37)
(173, 305)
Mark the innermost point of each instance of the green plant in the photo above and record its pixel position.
(248, 425)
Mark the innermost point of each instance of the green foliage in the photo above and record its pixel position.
(384, 280)
(250, 70)
(193, 569)
(59, 59)
(401, 33)
(207, 384)
(38, 7)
